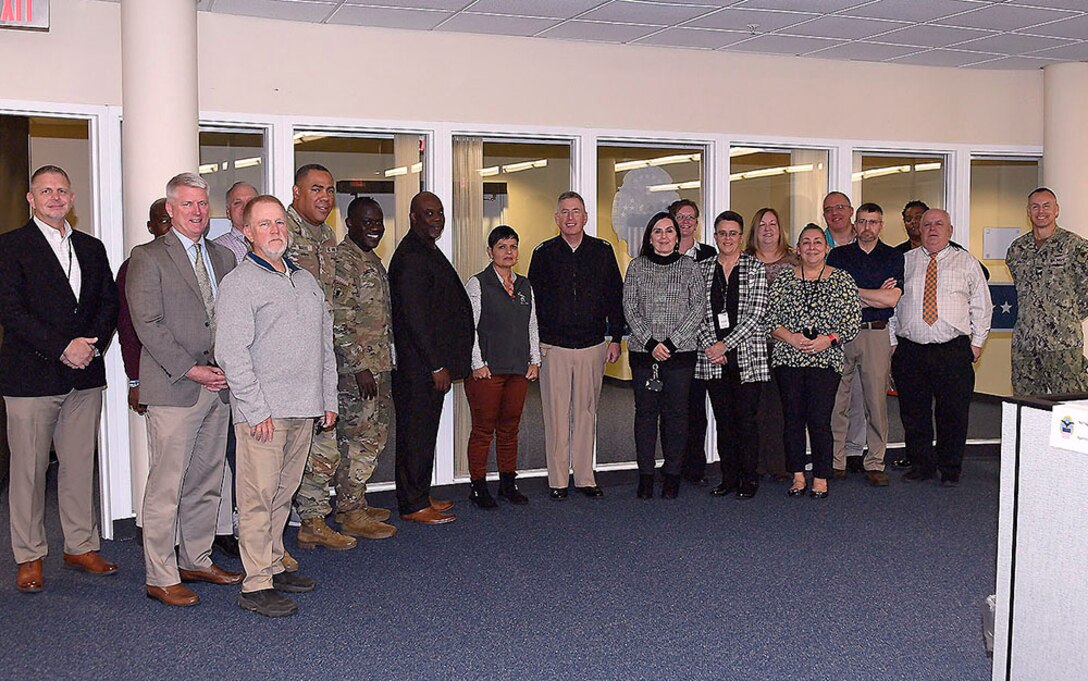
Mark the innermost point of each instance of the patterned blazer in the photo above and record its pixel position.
(749, 335)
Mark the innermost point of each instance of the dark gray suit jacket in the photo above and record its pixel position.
(169, 317)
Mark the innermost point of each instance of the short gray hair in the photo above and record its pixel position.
(184, 180)
(238, 185)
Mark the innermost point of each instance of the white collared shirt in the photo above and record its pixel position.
(188, 244)
(66, 255)
(963, 299)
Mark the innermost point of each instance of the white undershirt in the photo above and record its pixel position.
(66, 256)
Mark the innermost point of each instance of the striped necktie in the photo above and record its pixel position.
(204, 284)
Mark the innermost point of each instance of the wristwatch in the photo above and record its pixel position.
(834, 340)
(134, 383)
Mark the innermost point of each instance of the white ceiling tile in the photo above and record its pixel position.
(449, 5)
(634, 12)
(1074, 52)
(864, 51)
(912, 10)
(693, 37)
(277, 9)
(1076, 28)
(1011, 43)
(783, 44)
(820, 6)
(1077, 5)
(1008, 63)
(1006, 18)
(388, 18)
(558, 9)
(943, 58)
(766, 21)
(466, 22)
(932, 36)
(598, 31)
(844, 27)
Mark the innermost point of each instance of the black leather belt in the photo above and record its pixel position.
(874, 325)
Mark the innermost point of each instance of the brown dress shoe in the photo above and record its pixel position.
(29, 579)
(839, 473)
(441, 506)
(429, 516)
(175, 595)
(289, 562)
(213, 575)
(361, 524)
(89, 562)
(877, 478)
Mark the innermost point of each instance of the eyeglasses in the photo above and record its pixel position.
(686, 218)
(869, 223)
(837, 206)
(728, 235)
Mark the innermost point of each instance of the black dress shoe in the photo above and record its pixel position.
(818, 495)
(558, 493)
(902, 463)
(697, 481)
(950, 479)
(645, 487)
(592, 491)
(747, 490)
(227, 544)
(723, 489)
(670, 487)
(797, 491)
(915, 475)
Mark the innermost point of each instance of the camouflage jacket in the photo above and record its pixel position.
(1051, 291)
(313, 254)
(362, 328)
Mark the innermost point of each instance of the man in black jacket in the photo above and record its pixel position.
(433, 333)
(58, 306)
(579, 298)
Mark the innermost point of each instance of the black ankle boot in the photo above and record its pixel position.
(670, 487)
(508, 489)
(480, 494)
(646, 486)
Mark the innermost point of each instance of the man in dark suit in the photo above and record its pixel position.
(58, 306)
(433, 331)
(171, 289)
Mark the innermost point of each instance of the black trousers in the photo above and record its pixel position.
(736, 406)
(808, 398)
(935, 382)
(772, 450)
(666, 410)
(694, 467)
(418, 410)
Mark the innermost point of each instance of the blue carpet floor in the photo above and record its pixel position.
(870, 584)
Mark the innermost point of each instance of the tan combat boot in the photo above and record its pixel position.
(361, 524)
(379, 514)
(314, 532)
(289, 562)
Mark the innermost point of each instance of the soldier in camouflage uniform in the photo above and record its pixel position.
(363, 339)
(1049, 266)
(313, 244)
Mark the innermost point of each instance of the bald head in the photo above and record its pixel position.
(427, 216)
(936, 229)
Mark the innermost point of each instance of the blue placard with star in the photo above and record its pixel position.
(1003, 297)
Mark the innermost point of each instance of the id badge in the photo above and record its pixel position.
(723, 320)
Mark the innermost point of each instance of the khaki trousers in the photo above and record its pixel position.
(70, 423)
(869, 356)
(187, 448)
(268, 475)
(570, 386)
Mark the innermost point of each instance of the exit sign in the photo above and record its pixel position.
(24, 13)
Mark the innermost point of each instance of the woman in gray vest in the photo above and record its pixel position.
(505, 357)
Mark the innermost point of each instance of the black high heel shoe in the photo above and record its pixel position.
(797, 491)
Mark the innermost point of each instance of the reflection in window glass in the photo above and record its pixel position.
(792, 181)
(633, 183)
(228, 156)
(388, 168)
(504, 182)
(891, 181)
(999, 191)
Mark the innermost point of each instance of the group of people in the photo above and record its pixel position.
(273, 346)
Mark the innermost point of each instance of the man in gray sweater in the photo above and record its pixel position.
(274, 343)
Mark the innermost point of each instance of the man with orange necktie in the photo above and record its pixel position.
(937, 333)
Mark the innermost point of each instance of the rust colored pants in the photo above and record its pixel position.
(496, 404)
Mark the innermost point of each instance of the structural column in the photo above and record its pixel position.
(1065, 146)
(159, 136)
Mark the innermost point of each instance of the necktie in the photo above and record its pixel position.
(929, 295)
(204, 284)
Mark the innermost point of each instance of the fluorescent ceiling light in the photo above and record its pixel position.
(488, 172)
(524, 165)
(396, 172)
(208, 168)
(694, 184)
(777, 170)
(301, 137)
(247, 162)
(660, 161)
(743, 151)
(417, 167)
(927, 166)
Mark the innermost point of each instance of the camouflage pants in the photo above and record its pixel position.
(1049, 373)
(346, 457)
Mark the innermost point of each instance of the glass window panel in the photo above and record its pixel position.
(999, 191)
(515, 183)
(633, 183)
(890, 181)
(63, 142)
(792, 181)
(229, 155)
(388, 168)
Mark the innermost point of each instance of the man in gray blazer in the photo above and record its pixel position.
(172, 285)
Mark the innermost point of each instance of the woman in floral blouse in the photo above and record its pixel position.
(813, 310)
